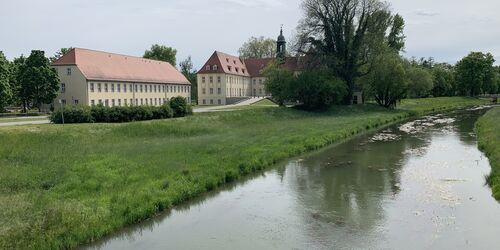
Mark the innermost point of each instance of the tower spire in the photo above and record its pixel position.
(281, 46)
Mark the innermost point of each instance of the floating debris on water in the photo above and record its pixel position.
(384, 137)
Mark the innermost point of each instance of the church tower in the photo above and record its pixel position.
(281, 46)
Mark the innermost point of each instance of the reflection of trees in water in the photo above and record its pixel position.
(465, 122)
(348, 186)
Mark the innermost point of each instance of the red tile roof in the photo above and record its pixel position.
(104, 66)
(252, 67)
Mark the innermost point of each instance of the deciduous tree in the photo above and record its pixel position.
(5, 89)
(475, 74)
(278, 82)
(161, 53)
(419, 81)
(60, 53)
(186, 67)
(258, 48)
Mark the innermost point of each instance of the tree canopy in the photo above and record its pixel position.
(347, 35)
(161, 53)
(187, 70)
(60, 53)
(475, 74)
(258, 48)
(5, 89)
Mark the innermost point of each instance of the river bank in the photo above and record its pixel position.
(488, 132)
(81, 182)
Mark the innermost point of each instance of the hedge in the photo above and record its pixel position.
(178, 107)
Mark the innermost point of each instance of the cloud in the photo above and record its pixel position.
(426, 13)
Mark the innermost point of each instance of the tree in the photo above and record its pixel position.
(38, 81)
(419, 82)
(258, 48)
(347, 35)
(15, 85)
(475, 74)
(443, 80)
(161, 53)
(60, 53)
(187, 70)
(387, 82)
(5, 89)
(278, 82)
(317, 89)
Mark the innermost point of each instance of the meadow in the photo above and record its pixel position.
(61, 186)
(488, 131)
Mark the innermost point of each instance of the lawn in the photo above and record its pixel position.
(61, 186)
(23, 119)
(488, 131)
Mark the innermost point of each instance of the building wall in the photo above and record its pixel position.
(257, 87)
(212, 89)
(110, 93)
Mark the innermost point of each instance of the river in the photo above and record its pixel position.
(415, 185)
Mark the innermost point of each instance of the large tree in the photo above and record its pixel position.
(38, 81)
(187, 70)
(162, 53)
(347, 35)
(475, 74)
(444, 80)
(258, 48)
(420, 82)
(5, 89)
(60, 53)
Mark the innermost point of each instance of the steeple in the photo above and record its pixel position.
(281, 46)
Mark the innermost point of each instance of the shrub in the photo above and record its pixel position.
(73, 114)
(180, 106)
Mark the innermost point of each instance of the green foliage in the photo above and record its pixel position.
(387, 81)
(347, 36)
(488, 132)
(277, 82)
(258, 48)
(420, 82)
(60, 53)
(161, 53)
(475, 74)
(102, 114)
(444, 80)
(5, 88)
(317, 90)
(187, 70)
(180, 106)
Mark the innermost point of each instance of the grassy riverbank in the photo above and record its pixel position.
(64, 185)
(488, 131)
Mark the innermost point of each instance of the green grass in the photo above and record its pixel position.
(22, 119)
(61, 186)
(265, 102)
(488, 131)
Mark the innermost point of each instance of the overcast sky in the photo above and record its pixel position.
(444, 29)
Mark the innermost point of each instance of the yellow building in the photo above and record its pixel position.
(91, 77)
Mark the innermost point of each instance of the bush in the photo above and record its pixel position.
(99, 113)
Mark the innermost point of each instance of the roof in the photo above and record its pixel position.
(251, 67)
(104, 66)
(224, 63)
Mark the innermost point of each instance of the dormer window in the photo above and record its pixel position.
(214, 67)
(227, 60)
(237, 70)
(208, 67)
(234, 62)
(229, 68)
(243, 70)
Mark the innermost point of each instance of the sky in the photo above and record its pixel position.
(444, 29)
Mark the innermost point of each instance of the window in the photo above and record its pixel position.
(219, 102)
(211, 101)
(119, 102)
(260, 91)
(145, 88)
(219, 91)
(203, 79)
(105, 87)
(92, 102)
(155, 88)
(142, 101)
(243, 70)
(63, 87)
(260, 81)
(99, 87)
(211, 91)
(100, 101)
(76, 102)
(237, 70)
(219, 79)
(106, 103)
(125, 102)
(68, 71)
(118, 88)
(112, 102)
(156, 101)
(208, 67)
(214, 67)
(63, 101)
(130, 88)
(112, 87)
(151, 88)
(146, 101)
(254, 81)
(151, 101)
(91, 87)
(211, 79)
(229, 68)
(203, 91)
(135, 88)
(204, 101)
(171, 89)
(140, 89)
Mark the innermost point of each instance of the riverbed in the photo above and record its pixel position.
(415, 185)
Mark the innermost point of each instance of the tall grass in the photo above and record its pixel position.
(488, 131)
(61, 186)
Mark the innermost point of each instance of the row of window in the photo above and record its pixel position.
(125, 102)
(203, 79)
(153, 88)
(219, 101)
(219, 91)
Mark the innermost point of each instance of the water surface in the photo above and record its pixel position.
(416, 185)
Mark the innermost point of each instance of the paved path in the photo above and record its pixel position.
(35, 122)
(231, 107)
